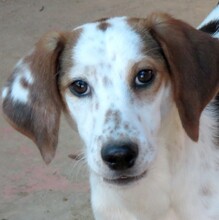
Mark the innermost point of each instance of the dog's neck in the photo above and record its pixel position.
(193, 166)
(181, 150)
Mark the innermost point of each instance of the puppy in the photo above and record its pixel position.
(143, 95)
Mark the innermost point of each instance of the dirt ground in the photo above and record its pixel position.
(30, 190)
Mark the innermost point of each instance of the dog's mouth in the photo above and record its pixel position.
(124, 179)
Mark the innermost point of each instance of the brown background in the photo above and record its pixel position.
(30, 190)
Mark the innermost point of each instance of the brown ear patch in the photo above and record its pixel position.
(38, 115)
(193, 60)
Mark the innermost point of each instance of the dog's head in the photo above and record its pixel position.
(118, 79)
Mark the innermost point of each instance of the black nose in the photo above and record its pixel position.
(120, 157)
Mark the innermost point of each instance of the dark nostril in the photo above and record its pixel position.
(120, 157)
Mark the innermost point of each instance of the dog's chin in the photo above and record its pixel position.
(124, 179)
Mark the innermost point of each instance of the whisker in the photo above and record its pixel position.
(76, 157)
(80, 164)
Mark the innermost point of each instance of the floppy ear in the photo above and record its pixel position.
(31, 99)
(193, 60)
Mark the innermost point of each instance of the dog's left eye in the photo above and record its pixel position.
(144, 77)
(79, 88)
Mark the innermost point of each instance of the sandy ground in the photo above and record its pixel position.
(30, 190)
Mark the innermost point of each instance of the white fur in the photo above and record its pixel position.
(182, 176)
(18, 92)
(211, 17)
(5, 91)
(216, 35)
(27, 75)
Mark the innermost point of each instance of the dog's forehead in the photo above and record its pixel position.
(108, 39)
(108, 47)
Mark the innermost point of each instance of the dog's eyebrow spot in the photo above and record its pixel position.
(103, 25)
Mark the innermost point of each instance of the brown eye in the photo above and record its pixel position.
(144, 77)
(79, 88)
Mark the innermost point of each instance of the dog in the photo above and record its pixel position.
(143, 94)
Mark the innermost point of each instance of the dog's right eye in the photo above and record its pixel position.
(79, 88)
(144, 77)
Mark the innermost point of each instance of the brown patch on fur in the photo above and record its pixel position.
(153, 60)
(193, 61)
(103, 25)
(161, 77)
(66, 61)
(151, 48)
(14, 110)
(24, 83)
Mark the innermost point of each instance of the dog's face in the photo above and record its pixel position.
(116, 91)
(117, 79)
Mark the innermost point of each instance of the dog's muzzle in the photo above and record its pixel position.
(120, 158)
